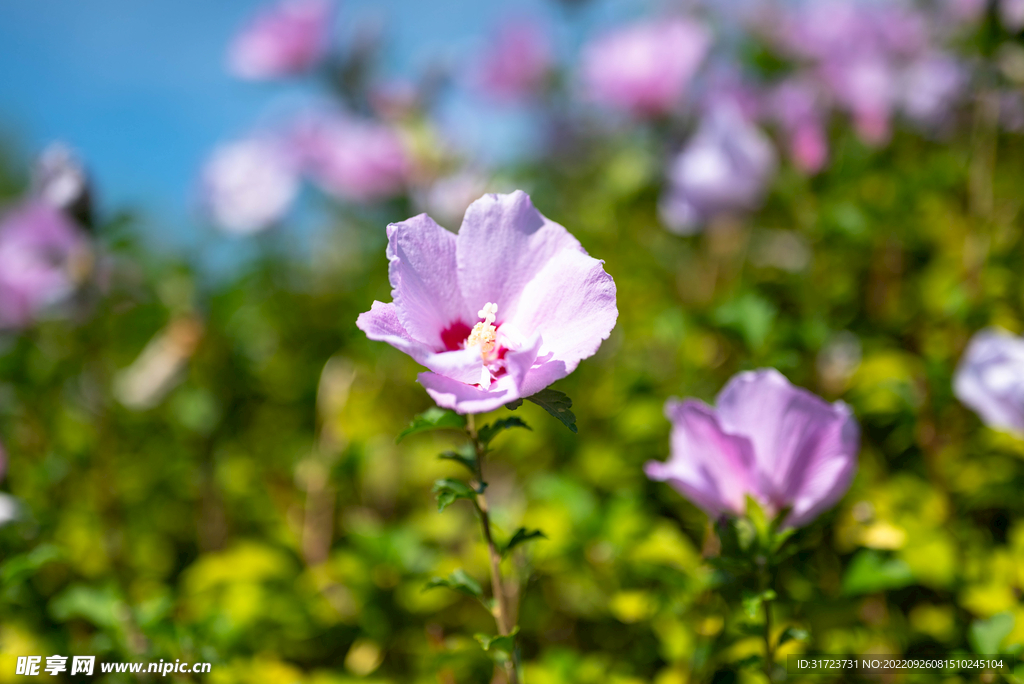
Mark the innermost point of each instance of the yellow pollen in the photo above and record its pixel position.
(484, 333)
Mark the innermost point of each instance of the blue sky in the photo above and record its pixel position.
(139, 88)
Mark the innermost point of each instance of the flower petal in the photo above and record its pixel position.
(571, 303)
(803, 445)
(990, 379)
(710, 467)
(423, 274)
(502, 244)
(463, 398)
(381, 323)
(822, 481)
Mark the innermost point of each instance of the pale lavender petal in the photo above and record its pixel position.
(793, 431)
(571, 303)
(821, 481)
(502, 244)
(283, 40)
(422, 271)
(708, 466)
(990, 379)
(463, 398)
(382, 323)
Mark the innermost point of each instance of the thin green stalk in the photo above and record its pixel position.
(501, 611)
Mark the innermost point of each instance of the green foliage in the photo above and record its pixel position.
(449, 490)
(500, 647)
(433, 418)
(557, 404)
(988, 636)
(521, 536)
(489, 432)
(458, 581)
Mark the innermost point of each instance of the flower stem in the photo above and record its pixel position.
(769, 648)
(502, 615)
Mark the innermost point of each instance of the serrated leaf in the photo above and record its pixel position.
(464, 456)
(521, 536)
(489, 432)
(500, 647)
(449, 490)
(557, 404)
(793, 634)
(513, 405)
(459, 581)
(434, 418)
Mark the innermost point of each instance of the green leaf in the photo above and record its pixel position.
(464, 456)
(433, 418)
(489, 432)
(457, 581)
(750, 315)
(752, 602)
(793, 634)
(557, 404)
(870, 572)
(521, 536)
(987, 636)
(752, 661)
(499, 647)
(449, 490)
(19, 568)
(513, 405)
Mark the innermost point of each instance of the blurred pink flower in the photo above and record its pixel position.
(867, 88)
(517, 61)
(782, 445)
(286, 39)
(645, 68)
(796, 105)
(43, 259)
(354, 159)
(965, 11)
(1011, 14)
(725, 167)
(249, 185)
(990, 379)
(498, 312)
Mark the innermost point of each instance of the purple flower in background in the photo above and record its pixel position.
(354, 159)
(866, 87)
(725, 167)
(645, 68)
(517, 61)
(43, 259)
(990, 379)
(498, 312)
(249, 185)
(797, 106)
(1011, 14)
(283, 40)
(782, 445)
(931, 86)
